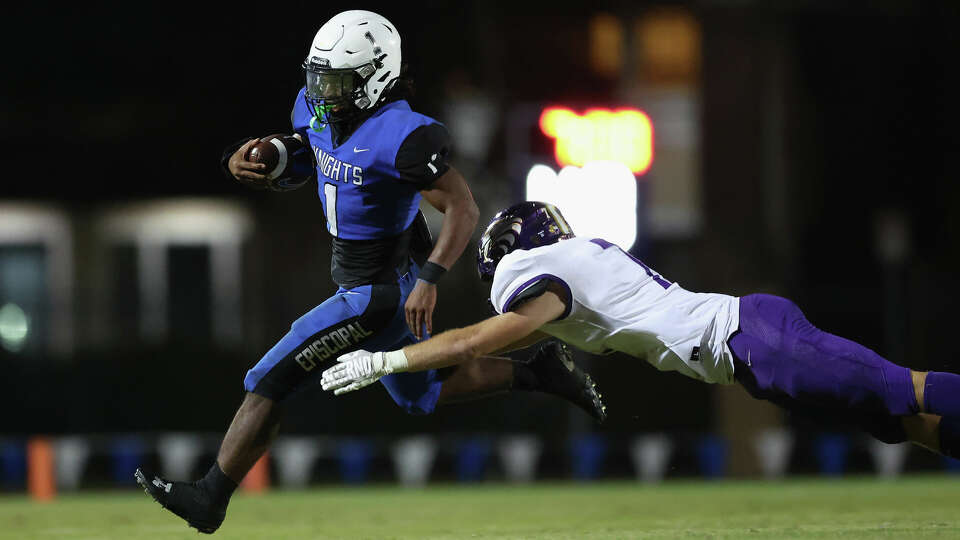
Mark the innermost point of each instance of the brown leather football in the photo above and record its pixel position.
(267, 152)
(289, 162)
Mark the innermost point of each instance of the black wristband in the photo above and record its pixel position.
(431, 272)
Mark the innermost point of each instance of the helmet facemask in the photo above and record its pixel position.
(336, 95)
(499, 239)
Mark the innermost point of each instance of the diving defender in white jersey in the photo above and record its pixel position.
(598, 298)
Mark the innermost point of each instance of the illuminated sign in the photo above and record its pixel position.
(598, 200)
(623, 135)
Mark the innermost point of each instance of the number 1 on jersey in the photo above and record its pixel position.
(656, 277)
(330, 194)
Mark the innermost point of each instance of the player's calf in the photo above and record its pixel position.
(475, 379)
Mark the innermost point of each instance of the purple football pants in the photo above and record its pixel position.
(782, 358)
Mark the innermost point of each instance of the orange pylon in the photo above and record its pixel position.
(258, 479)
(41, 478)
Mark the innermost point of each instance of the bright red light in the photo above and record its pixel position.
(623, 135)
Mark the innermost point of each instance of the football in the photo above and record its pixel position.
(289, 161)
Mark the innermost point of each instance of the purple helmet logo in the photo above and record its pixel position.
(522, 226)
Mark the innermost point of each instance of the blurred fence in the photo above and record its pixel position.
(107, 461)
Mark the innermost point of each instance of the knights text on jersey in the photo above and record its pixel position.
(366, 189)
(617, 303)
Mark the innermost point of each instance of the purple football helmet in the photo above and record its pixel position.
(522, 226)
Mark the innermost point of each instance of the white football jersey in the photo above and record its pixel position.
(620, 304)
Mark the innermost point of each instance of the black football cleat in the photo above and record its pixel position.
(185, 499)
(557, 374)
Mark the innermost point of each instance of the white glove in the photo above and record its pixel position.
(361, 368)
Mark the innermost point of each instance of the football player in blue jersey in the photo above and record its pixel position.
(375, 160)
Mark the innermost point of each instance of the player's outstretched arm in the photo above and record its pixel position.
(499, 333)
(503, 332)
(528, 341)
(450, 195)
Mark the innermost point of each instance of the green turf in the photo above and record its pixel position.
(912, 507)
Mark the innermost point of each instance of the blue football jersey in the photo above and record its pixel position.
(361, 189)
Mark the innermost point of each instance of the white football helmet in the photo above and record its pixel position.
(353, 61)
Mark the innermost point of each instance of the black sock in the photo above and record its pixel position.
(524, 378)
(218, 484)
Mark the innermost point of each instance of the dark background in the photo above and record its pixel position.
(108, 103)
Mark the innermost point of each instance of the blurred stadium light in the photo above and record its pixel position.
(599, 200)
(36, 278)
(667, 46)
(14, 327)
(623, 135)
(607, 44)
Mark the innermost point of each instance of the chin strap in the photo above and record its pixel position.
(317, 123)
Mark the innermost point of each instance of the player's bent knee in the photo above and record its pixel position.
(415, 408)
(252, 385)
(250, 380)
(416, 393)
(419, 405)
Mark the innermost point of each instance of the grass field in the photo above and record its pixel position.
(912, 507)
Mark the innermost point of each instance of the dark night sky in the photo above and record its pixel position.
(110, 102)
(141, 100)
